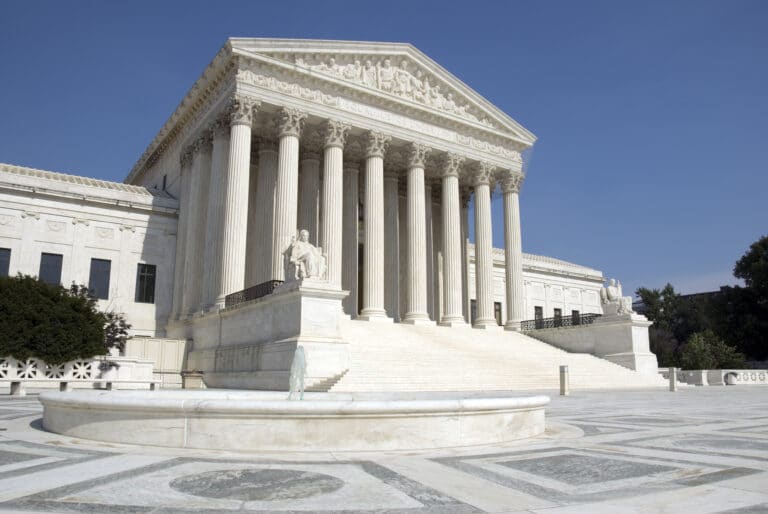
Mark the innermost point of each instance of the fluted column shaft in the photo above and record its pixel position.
(416, 299)
(350, 238)
(265, 213)
(181, 232)
(452, 262)
(287, 187)
(235, 218)
(216, 192)
(465, 300)
(483, 251)
(429, 244)
(195, 238)
(391, 246)
(309, 196)
(333, 199)
(373, 242)
(513, 252)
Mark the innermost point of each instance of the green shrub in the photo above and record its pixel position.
(705, 351)
(54, 324)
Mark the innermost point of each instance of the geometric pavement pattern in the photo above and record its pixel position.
(700, 450)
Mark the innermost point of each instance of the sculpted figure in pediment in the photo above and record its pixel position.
(402, 85)
(387, 76)
(369, 74)
(352, 71)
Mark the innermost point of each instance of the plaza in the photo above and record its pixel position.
(700, 449)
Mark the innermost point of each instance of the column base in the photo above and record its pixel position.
(454, 323)
(486, 324)
(417, 321)
(377, 315)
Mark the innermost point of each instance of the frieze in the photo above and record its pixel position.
(259, 79)
(6, 219)
(105, 233)
(55, 226)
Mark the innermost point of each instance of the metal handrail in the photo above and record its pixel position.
(252, 293)
(559, 322)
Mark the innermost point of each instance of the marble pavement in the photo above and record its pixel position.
(699, 450)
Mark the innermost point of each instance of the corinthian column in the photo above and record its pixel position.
(391, 245)
(235, 217)
(309, 184)
(333, 199)
(195, 237)
(513, 250)
(287, 188)
(373, 217)
(484, 248)
(181, 232)
(452, 243)
(216, 192)
(261, 261)
(416, 268)
(464, 195)
(350, 237)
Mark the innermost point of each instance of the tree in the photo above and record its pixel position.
(704, 350)
(753, 269)
(52, 323)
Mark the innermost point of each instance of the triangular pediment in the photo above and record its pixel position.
(394, 70)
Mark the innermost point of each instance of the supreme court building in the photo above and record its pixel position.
(373, 148)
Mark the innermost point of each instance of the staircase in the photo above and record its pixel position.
(397, 357)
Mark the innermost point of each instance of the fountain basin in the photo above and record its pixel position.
(256, 421)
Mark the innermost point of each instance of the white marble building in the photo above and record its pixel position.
(373, 148)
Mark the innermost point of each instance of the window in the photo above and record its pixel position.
(538, 314)
(145, 283)
(558, 317)
(5, 261)
(575, 318)
(50, 268)
(98, 283)
(497, 312)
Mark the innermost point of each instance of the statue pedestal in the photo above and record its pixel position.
(619, 338)
(623, 339)
(251, 346)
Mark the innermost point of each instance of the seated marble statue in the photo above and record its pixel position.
(304, 260)
(298, 370)
(612, 300)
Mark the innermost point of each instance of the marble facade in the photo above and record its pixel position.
(372, 148)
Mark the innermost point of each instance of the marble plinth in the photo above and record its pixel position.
(249, 421)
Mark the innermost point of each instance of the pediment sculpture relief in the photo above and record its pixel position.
(396, 79)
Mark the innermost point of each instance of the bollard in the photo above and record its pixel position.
(564, 389)
(673, 379)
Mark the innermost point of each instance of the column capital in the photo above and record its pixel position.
(241, 109)
(291, 122)
(417, 155)
(511, 182)
(376, 144)
(335, 133)
(451, 165)
(482, 174)
(220, 127)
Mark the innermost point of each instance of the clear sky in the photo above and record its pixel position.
(652, 116)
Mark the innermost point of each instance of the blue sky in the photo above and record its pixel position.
(651, 115)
